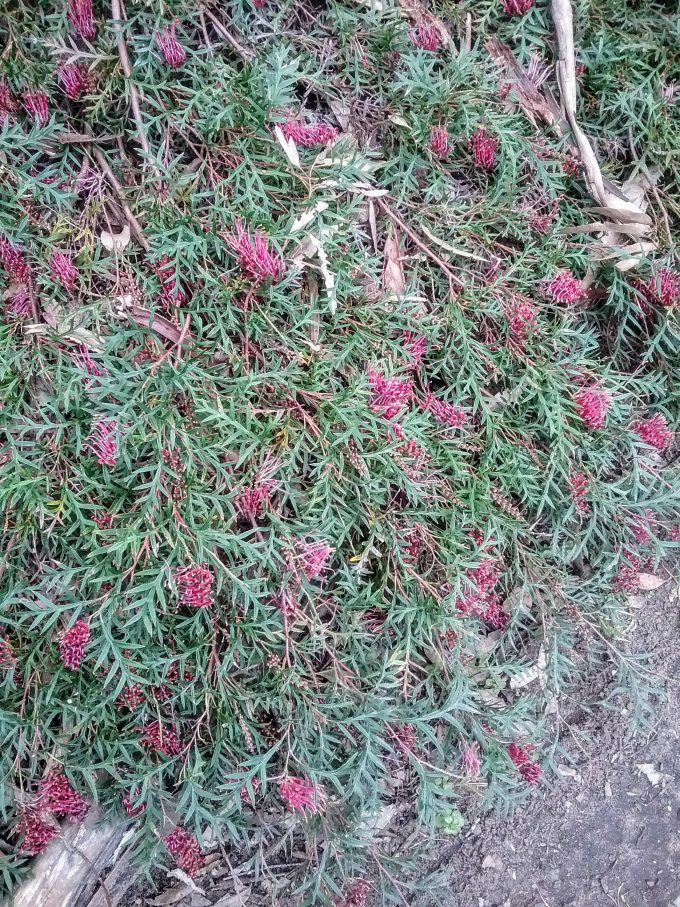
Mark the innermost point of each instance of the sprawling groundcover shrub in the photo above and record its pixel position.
(321, 438)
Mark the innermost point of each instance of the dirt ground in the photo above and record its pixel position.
(609, 833)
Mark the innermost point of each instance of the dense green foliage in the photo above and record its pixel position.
(459, 557)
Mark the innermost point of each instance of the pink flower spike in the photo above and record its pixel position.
(19, 304)
(161, 739)
(36, 104)
(84, 362)
(171, 50)
(74, 80)
(445, 413)
(312, 558)
(56, 795)
(578, 485)
(301, 795)
(521, 758)
(255, 257)
(470, 758)
(309, 134)
(73, 643)
(6, 654)
(439, 141)
(186, 850)
(416, 346)
(63, 270)
(426, 36)
(517, 7)
(389, 395)
(81, 18)
(593, 404)
(36, 832)
(484, 147)
(103, 443)
(131, 803)
(654, 431)
(13, 261)
(663, 287)
(254, 499)
(522, 318)
(194, 585)
(564, 287)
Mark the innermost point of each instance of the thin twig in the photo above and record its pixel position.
(421, 245)
(244, 52)
(135, 227)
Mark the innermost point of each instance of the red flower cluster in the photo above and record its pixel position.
(521, 758)
(171, 50)
(63, 270)
(484, 603)
(171, 292)
(81, 18)
(484, 147)
(37, 833)
(662, 288)
(517, 7)
(194, 585)
(6, 654)
(131, 803)
(655, 431)
(416, 347)
(186, 850)
(301, 795)
(426, 36)
(84, 362)
(103, 443)
(355, 895)
(571, 166)
(131, 697)
(312, 558)
(564, 287)
(7, 102)
(578, 485)
(469, 757)
(439, 141)
(74, 79)
(36, 104)
(309, 134)
(445, 413)
(103, 520)
(522, 318)
(389, 395)
(253, 500)
(56, 795)
(255, 257)
(593, 404)
(13, 261)
(161, 739)
(19, 304)
(641, 527)
(73, 643)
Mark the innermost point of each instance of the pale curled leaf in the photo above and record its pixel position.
(648, 582)
(393, 270)
(115, 242)
(289, 147)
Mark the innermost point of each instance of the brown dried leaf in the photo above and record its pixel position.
(393, 270)
(648, 582)
(171, 896)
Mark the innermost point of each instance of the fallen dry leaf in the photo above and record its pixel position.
(239, 899)
(393, 270)
(648, 582)
(171, 896)
(115, 241)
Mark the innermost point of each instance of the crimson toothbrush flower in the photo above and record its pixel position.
(484, 147)
(131, 805)
(517, 7)
(578, 486)
(73, 643)
(8, 105)
(56, 795)
(309, 134)
(592, 404)
(6, 654)
(74, 79)
(103, 443)
(13, 261)
(254, 255)
(470, 760)
(564, 287)
(254, 499)
(63, 270)
(355, 895)
(194, 585)
(131, 697)
(171, 50)
(171, 292)
(445, 413)
(627, 578)
(521, 758)
(416, 346)
(522, 318)
(312, 558)
(81, 18)
(19, 304)
(439, 141)
(84, 362)
(301, 795)
(389, 395)
(654, 431)
(161, 739)
(36, 104)
(663, 287)
(185, 849)
(36, 832)
(426, 36)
